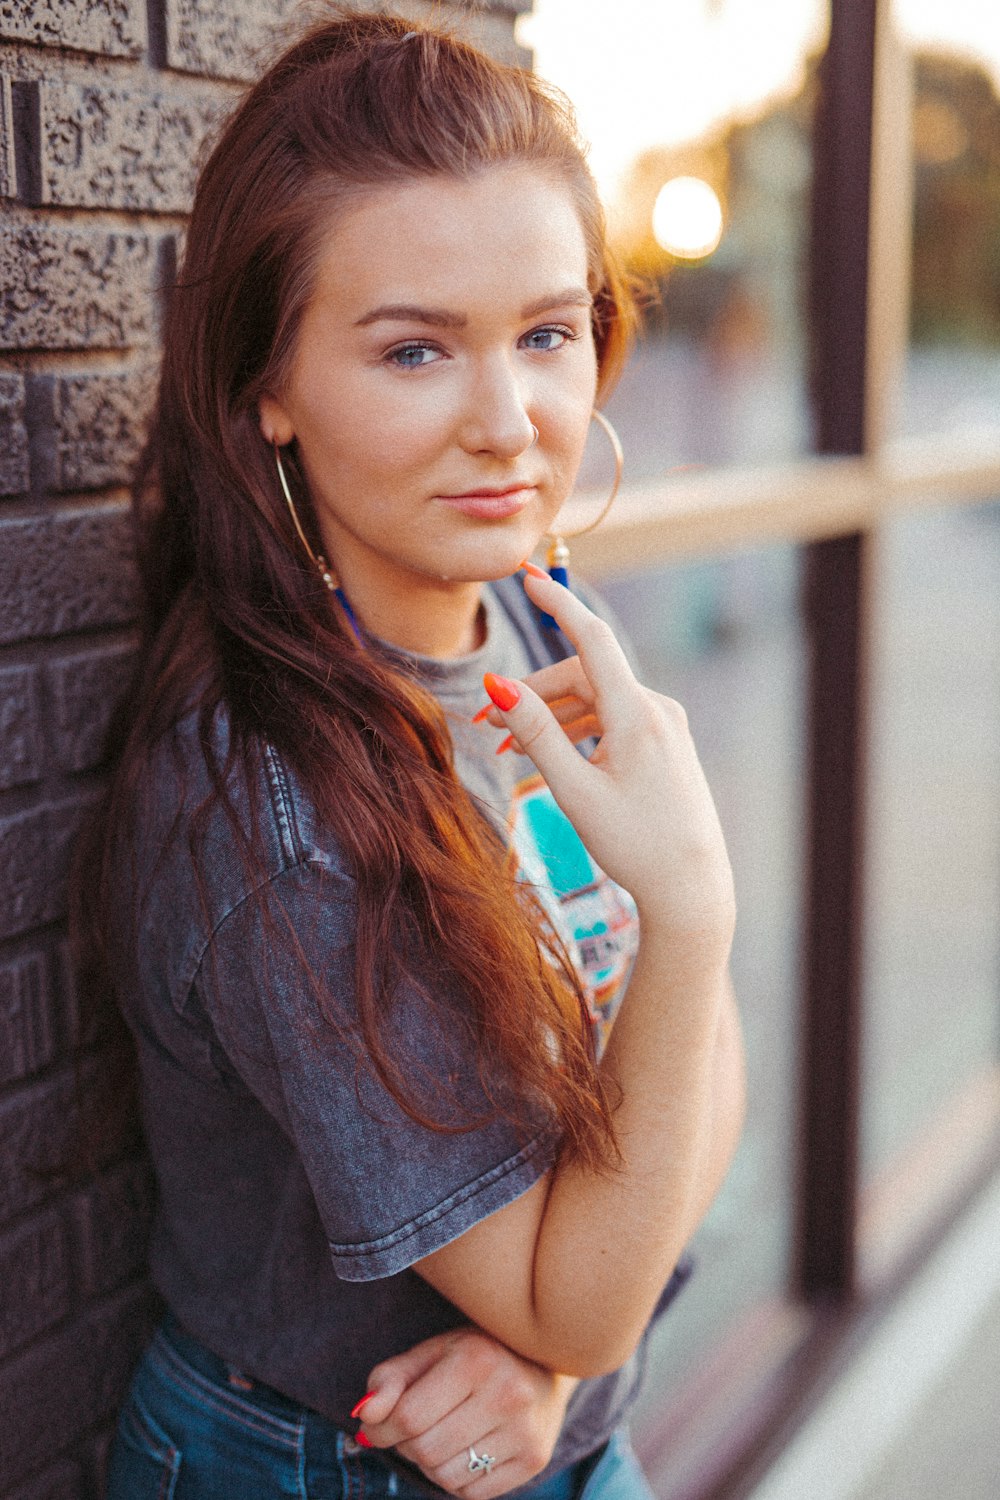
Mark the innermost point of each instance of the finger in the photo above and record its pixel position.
(575, 730)
(506, 1473)
(569, 775)
(440, 1446)
(562, 678)
(602, 658)
(559, 680)
(501, 1478)
(389, 1380)
(564, 709)
(569, 710)
(417, 1416)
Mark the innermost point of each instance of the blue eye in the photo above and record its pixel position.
(409, 356)
(564, 335)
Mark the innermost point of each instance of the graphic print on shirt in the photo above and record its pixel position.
(596, 919)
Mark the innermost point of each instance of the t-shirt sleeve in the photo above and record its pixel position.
(388, 1190)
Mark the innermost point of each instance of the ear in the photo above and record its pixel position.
(275, 423)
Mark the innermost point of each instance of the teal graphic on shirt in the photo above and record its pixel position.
(596, 919)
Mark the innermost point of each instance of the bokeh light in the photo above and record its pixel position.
(687, 218)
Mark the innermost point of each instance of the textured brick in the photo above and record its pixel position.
(34, 859)
(13, 436)
(20, 728)
(238, 38)
(58, 1390)
(67, 992)
(8, 168)
(83, 689)
(74, 289)
(35, 1128)
(112, 1219)
(115, 27)
(35, 1258)
(113, 148)
(100, 423)
(27, 1033)
(68, 570)
(61, 1481)
(224, 38)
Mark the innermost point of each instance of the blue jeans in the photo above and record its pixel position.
(193, 1428)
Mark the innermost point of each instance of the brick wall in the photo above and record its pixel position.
(104, 107)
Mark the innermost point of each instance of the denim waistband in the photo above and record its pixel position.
(229, 1378)
(222, 1373)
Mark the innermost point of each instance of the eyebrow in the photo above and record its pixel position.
(408, 312)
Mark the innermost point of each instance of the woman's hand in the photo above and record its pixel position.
(641, 803)
(465, 1390)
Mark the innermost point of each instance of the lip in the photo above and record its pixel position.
(491, 504)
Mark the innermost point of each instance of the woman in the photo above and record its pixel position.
(417, 1202)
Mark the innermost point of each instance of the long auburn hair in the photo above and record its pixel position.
(236, 615)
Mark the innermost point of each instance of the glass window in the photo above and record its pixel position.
(699, 118)
(933, 841)
(952, 375)
(723, 637)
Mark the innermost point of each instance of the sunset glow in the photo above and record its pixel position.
(641, 73)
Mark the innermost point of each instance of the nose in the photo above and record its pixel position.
(497, 418)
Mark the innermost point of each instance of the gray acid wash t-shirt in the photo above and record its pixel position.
(294, 1194)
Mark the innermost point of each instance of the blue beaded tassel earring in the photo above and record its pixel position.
(558, 553)
(319, 562)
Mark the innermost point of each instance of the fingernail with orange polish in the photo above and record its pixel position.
(508, 744)
(366, 1397)
(505, 694)
(481, 715)
(533, 569)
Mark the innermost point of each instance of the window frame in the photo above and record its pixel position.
(853, 1247)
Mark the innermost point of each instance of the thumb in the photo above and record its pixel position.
(540, 735)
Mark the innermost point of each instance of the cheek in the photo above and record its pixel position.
(572, 420)
(392, 427)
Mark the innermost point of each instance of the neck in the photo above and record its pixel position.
(441, 619)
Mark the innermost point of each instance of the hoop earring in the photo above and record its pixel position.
(558, 554)
(319, 562)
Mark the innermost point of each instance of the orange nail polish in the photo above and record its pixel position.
(481, 715)
(533, 569)
(505, 694)
(366, 1397)
(508, 744)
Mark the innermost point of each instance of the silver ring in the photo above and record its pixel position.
(480, 1463)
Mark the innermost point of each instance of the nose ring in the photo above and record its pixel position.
(534, 435)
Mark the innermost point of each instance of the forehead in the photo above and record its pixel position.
(508, 235)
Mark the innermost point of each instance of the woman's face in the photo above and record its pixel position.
(448, 318)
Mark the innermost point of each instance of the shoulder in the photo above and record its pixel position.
(211, 823)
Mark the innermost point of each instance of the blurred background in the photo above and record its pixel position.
(807, 554)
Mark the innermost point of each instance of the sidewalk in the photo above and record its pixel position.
(916, 1415)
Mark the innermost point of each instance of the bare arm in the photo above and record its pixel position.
(465, 1389)
(568, 1274)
